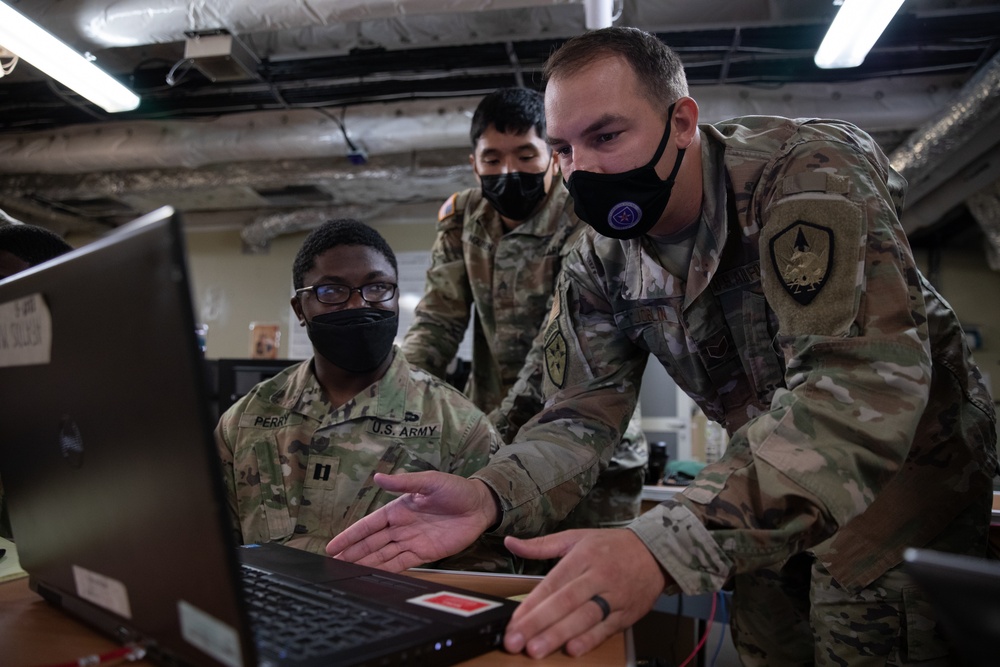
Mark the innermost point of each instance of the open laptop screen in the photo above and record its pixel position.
(102, 379)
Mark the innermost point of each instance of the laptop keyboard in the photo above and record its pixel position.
(292, 622)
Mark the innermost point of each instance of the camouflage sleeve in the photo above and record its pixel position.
(472, 442)
(590, 375)
(478, 441)
(525, 399)
(225, 436)
(838, 273)
(442, 316)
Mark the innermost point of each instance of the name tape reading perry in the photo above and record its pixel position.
(25, 332)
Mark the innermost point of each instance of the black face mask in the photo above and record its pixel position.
(357, 340)
(625, 205)
(515, 195)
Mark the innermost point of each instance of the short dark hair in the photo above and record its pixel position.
(333, 233)
(510, 111)
(32, 244)
(659, 70)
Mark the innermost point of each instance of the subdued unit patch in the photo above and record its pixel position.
(810, 277)
(556, 356)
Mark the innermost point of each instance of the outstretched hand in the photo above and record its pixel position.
(611, 563)
(438, 515)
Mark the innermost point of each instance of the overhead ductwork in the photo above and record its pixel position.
(417, 125)
(985, 208)
(290, 134)
(125, 23)
(955, 157)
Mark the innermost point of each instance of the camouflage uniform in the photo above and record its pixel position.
(859, 422)
(510, 278)
(299, 472)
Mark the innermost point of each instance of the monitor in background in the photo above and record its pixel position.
(236, 377)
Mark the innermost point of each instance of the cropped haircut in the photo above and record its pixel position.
(510, 111)
(659, 70)
(334, 233)
(32, 244)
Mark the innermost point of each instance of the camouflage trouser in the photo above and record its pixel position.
(889, 622)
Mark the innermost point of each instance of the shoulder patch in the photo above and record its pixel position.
(447, 208)
(801, 254)
(556, 356)
(811, 255)
(555, 348)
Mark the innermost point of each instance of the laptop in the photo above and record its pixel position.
(965, 594)
(116, 495)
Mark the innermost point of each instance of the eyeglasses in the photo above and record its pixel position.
(333, 294)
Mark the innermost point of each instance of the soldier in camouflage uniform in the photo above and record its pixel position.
(498, 250)
(21, 247)
(300, 451)
(777, 287)
(762, 262)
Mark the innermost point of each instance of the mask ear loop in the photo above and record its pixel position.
(663, 142)
(677, 167)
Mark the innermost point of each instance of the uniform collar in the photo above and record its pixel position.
(385, 399)
(713, 227)
(646, 278)
(544, 223)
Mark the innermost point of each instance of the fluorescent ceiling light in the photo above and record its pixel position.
(35, 45)
(855, 29)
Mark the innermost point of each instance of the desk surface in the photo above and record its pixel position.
(34, 633)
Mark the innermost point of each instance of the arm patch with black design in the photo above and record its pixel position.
(810, 254)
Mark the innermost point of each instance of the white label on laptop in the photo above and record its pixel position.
(103, 591)
(454, 603)
(209, 634)
(25, 332)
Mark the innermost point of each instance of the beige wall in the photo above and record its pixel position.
(232, 288)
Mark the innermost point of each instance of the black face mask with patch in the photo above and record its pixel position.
(629, 204)
(357, 340)
(514, 195)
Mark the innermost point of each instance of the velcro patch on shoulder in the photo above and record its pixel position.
(556, 356)
(447, 208)
(556, 350)
(810, 254)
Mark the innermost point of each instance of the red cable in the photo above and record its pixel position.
(704, 637)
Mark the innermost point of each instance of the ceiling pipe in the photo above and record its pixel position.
(379, 129)
(935, 160)
(118, 23)
(391, 128)
(958, 126)
(985, 208)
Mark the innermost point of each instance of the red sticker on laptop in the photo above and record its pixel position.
(454, 603)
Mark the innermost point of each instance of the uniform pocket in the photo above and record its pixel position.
(765, 363)
(260, 493)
